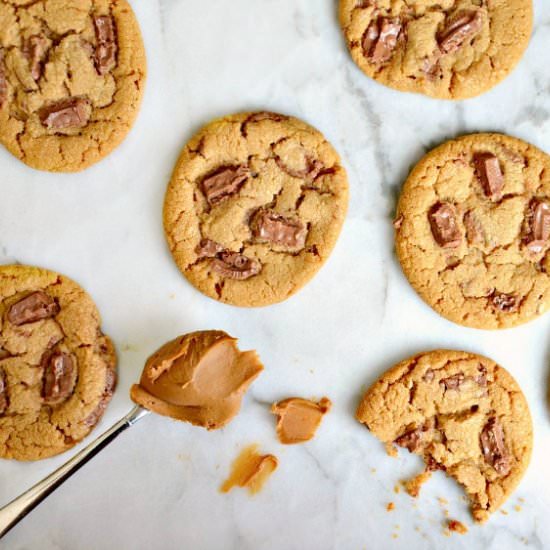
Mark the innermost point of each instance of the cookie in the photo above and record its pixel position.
(463, 414)
(448, 49)
(473, 228)
(72, 75)
(57, 369)
(254, 207)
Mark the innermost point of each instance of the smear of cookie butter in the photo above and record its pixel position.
(298, 419)
(250, 470)
(198, 378)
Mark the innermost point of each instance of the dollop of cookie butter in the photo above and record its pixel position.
(461, 27)
(199, 378)
(71, 112)
(298, 419)
(106, 46)
(380, 39)
(445, 229)
(4, 402)
(494, 448)
(277, 229)
(60, 375)
(224, 182)
(490, 174)
(236, 266)
(32, 308)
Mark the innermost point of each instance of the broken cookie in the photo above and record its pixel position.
(254, 207)
(463, 414)
(298, 419)
(199, 378)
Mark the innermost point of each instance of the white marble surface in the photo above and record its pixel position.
(157, 485)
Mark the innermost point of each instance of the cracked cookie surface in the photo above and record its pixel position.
(463, 414)
(448, 49)
(473, 230)
(72, 74)
(57, 369)
(254, 207)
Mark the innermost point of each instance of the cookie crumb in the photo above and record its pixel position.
(457, 527)
(413, 486)
(390, 507)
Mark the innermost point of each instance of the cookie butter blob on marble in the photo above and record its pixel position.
(198, 378)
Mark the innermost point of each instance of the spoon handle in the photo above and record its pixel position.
(18, 508)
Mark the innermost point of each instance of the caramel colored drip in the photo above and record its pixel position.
(250, 470)
(298, 419)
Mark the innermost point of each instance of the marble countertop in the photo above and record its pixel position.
(157, 485)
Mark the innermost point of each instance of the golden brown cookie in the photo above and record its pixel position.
(473, 229)
(254, 207)
(449, 49)
(57, 369)
(463, 414)
(72, 74)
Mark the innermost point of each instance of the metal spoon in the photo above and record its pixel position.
(17, 509)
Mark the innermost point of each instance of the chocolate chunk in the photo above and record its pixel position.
(223, 183)
(539, 226)
(380, 39)
(398, 222)
(70, 112)
(310, 172)
(474, 230)
(481, 378)
(489, 173)
(504, 302)
(494, 449)
(59, 377)
(3, 80)
(236, 266)
(4, 401)
(280, 230)
(443, 220)
(106, 46)
(110, 383)
(32, 308)
(432, 465)
(464, 26)
(35, 50)
(410, 440)
(453, 382)
(208, 248)
(429, 376)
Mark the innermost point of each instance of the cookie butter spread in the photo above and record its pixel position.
(298, 419)
(250, 470)
(199, 378)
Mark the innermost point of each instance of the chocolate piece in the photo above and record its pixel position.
(4, 401)
(208, 248)
(236, 266)
(35, 50)
(453, 382)
(70, 112)
(380, 39)
(106, 46)
(32, 308)
(410, 440)
(504, 302)
(110, 383)
(310, 172)
(462, 27)
(539, 226)
(481, 378)
(429, 376)
(398, 222)
(494, 449)
(59, 377)
(277, 229)
(443, 220)
(223, 183)
(474, 230)
(432, 465)
(489, 173)
(3, 80)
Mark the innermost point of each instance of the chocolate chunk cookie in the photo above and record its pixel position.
(449, 49)
(473, 230)
(71, 79)
(57, 369)
(463, 414)
(254, 207)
